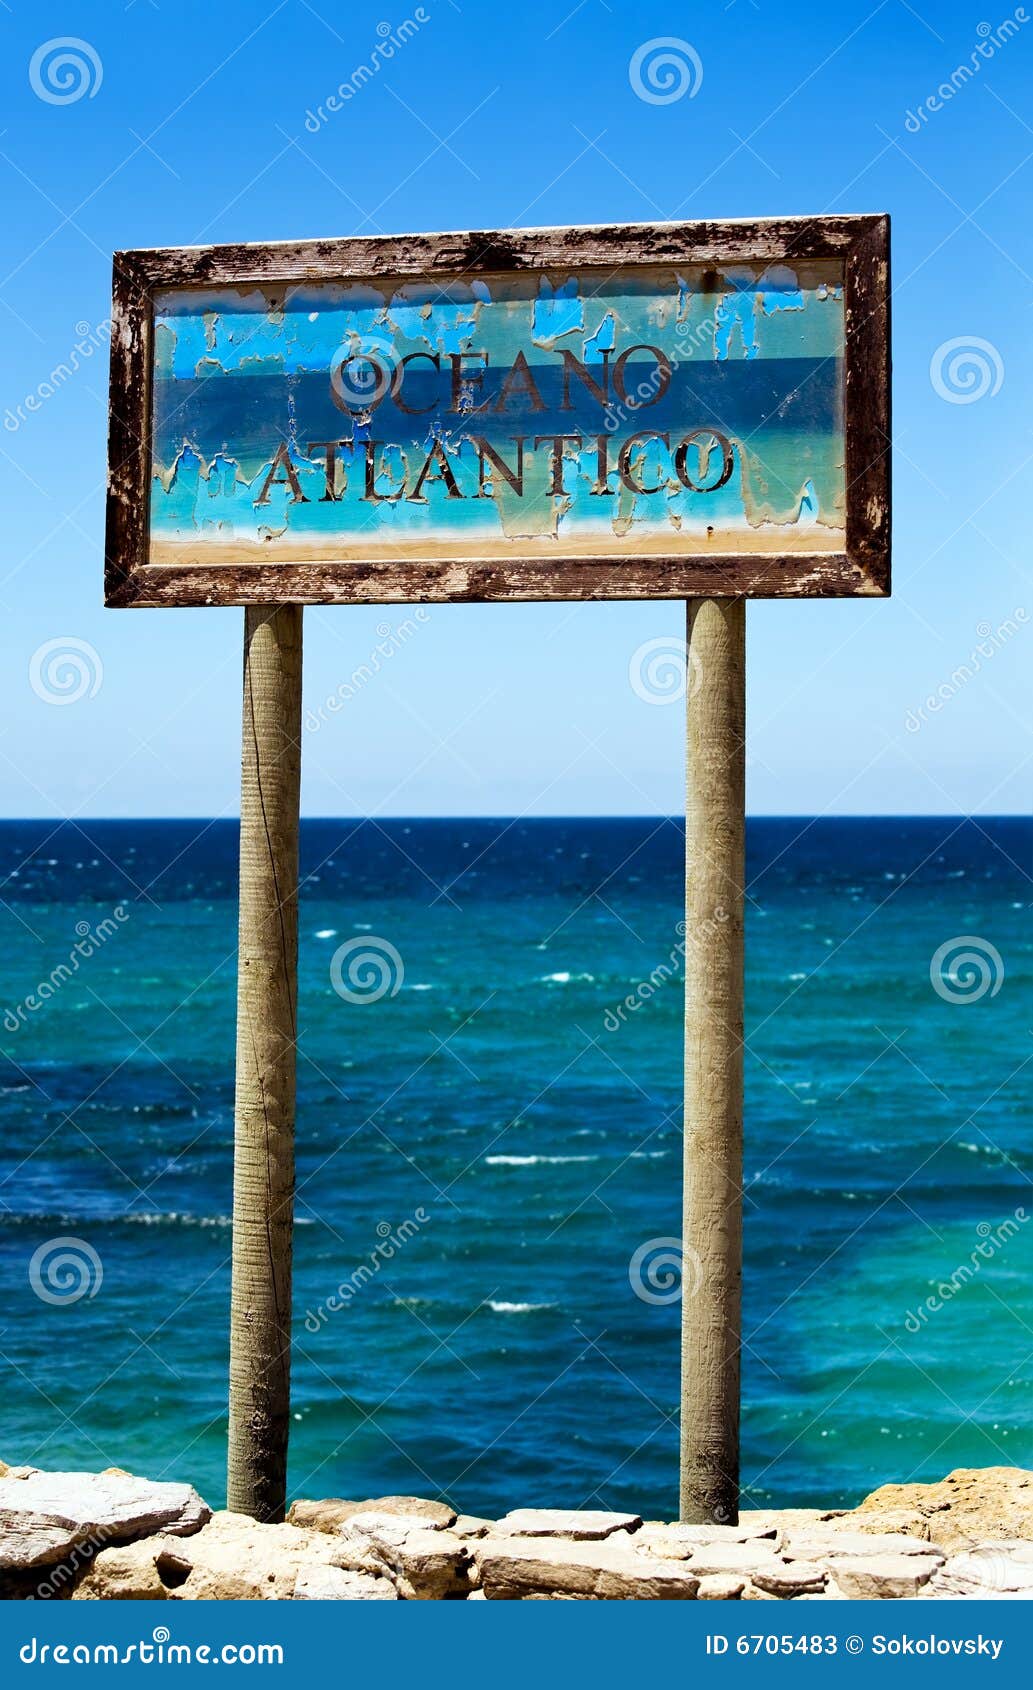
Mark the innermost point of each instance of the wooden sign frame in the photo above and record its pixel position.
(863, 567)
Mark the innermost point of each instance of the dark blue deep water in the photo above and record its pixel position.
(526, 1143)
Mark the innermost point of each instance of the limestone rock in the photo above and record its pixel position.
(44, 1517)
(720, 1587)
(747, 1531)
(904, 1522)
(743, 1559)
(988, 1570)
(821, 1543)
(428, 1563)
(778, 1519)
(760, 1570)
(127, 1573)
(114, 1536)
(233, 1558)
(330, 1515)
(884, 1576)
(336, 1584)
(580, 1524)
(790, 1578)
(661, 1542)
(678, 1541)
(469, 1525)
(514, 1568)
(971, 1505)
(779, 1522)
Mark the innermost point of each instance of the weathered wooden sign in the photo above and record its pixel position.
(680, 410)
(648, 411)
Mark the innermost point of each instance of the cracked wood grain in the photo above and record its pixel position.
(267, 988)
(713, 1125)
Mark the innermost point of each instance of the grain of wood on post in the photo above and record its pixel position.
(712, 1223)
(267, 995)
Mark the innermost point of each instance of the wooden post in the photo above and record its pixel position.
(712, 1214)
(267, 996)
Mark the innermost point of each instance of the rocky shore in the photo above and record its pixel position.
(113, 1536)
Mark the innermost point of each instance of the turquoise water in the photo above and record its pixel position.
(514, 1152)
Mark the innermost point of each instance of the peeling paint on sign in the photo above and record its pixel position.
(611, 411)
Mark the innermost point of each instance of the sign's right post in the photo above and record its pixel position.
(713, 1121)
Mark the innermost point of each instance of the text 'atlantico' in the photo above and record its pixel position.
(457, 384)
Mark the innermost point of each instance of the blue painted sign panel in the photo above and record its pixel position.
(639, 411)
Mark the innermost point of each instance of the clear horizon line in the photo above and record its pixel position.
(558, 816)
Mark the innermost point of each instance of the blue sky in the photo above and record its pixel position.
(193, 129)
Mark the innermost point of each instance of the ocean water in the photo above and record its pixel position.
(484, 1145)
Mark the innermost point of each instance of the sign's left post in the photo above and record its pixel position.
(267, 1029)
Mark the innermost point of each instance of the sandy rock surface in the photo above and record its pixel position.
(328, 1516)
(428, 1563)
(513, 1567)
(232, 1558)
(115, 1537)
(579, 1523)
(971, 1505)
(46, 1516)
